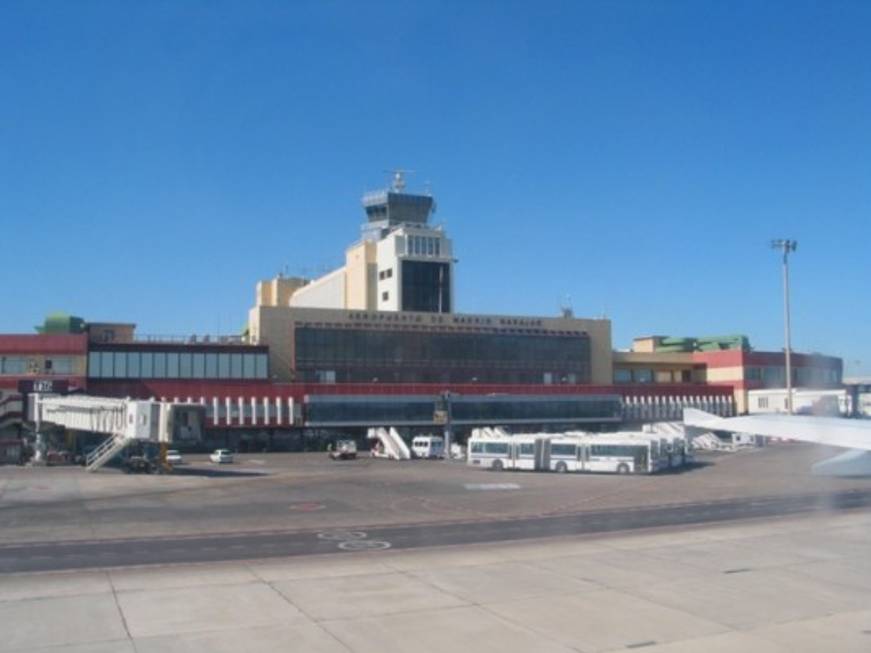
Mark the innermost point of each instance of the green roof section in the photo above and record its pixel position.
(672, 344)
(57, 323)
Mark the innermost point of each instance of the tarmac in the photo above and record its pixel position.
(778, 585)
(742, 552)
(305, 492)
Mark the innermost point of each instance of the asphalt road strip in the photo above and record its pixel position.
(57, 556)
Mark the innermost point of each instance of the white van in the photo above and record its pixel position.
(428, 446)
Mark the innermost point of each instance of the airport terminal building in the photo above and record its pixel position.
(378, 342)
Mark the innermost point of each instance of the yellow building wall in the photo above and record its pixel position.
(277, 291)
(646, 345)
(103, 332)
(601, 363)
(725, 374)
(272, 325)
(361, 277)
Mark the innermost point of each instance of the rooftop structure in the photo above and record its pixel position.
(392, 207)
(672, 344)
(402, 263)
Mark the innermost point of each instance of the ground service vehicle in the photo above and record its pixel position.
(344, 450)
(173, 457)
(221, 456)
(137, 465)
(428, 446)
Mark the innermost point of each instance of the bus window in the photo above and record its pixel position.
(500, 448)
(564, 450)
(477, 447)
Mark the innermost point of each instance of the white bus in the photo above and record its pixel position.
(610, 453)
(622, 455)
(507, 452)
(428, 446)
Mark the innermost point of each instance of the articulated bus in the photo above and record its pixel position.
(609, 453)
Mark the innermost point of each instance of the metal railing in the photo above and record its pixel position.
(192, 339)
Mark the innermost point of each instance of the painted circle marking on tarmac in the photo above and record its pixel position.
(342, 535)
(306, 506)
(363, 545)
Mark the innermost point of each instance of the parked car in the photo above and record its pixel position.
(173, 457)
(221, 456)
(137, 465)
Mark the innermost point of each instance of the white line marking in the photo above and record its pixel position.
(363, 545)
(342, 535)
(492, 486)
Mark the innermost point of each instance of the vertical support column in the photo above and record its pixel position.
(266, 411)
(449, 427)
(253, 411)
(228, 418)
(39, 445)
(278, 410)
(241, 411)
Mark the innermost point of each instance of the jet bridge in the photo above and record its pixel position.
(125, 421)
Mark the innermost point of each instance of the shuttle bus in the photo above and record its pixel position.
(618, 453)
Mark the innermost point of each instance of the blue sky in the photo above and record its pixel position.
(158, 158)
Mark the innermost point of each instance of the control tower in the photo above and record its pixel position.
(413, 259)
(402, 262)
(392, 207)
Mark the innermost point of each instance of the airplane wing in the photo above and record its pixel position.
(834, 431)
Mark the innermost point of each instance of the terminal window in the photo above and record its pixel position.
(414, 356)
(177, 365)
(426, 287)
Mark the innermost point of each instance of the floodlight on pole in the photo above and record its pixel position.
(786, 246)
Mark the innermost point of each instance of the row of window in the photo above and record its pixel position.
(775, 376)
(327, 348)
(176, 365)
(473, 410)
(425, 373)
(645, 375)
(29, 365)
(385, 274)
(424, 246)
(341, 410)
(562, 450)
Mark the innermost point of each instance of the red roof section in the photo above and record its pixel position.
(39, 343)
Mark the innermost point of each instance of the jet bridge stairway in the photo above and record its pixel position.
(107, 450)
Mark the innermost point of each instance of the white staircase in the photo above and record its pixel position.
(392, 444)
(107, 450)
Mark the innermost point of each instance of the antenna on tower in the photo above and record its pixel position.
(565, 308)
(397, 179)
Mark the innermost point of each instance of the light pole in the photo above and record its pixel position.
(786, 246)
